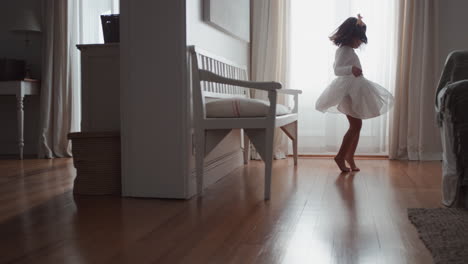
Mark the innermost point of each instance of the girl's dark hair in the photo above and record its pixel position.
(348, 31)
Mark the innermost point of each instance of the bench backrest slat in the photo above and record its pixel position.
(202, 90)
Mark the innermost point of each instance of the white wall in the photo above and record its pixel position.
(227, 156)
(154, 98)
(453, 27)
(211, 39)
(12, 45)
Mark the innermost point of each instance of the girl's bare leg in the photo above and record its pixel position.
(350, 156)
(347, 143)
(355, 125)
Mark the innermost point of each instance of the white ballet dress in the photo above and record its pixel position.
(350, 95)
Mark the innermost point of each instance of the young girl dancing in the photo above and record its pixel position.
(350, 93)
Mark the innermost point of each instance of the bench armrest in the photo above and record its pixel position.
(294, 93)
(290, 91)
(212, 77)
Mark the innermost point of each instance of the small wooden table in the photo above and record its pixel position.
(20, 89)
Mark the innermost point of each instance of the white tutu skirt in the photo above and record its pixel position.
(356, 97)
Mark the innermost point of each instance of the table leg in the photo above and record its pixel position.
(20, 116)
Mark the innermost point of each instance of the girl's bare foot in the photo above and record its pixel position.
(352, 164)
(341, 164)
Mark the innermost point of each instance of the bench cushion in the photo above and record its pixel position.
(241, 107)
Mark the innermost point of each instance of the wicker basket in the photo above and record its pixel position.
(96, 157)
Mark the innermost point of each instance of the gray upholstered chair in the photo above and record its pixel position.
(452, 110)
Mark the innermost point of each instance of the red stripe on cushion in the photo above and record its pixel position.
(233, 103)
(238, 107)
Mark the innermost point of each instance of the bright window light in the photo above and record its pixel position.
(312, 22)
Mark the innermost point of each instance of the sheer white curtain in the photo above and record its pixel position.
(312, 56)
(414, 132)
(66, 23)
(56, 110)
(270, 55)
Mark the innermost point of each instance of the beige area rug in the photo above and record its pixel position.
(444, 231)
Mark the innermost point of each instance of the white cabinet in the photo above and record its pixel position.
(100, 87)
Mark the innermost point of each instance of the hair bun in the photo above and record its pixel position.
(359, 20)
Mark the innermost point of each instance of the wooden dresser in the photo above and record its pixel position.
(100, 75)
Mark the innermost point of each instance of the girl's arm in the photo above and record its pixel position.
(343, 64)
(343, 70)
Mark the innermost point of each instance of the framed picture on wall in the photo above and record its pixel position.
(232, 17)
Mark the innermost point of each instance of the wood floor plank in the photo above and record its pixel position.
(316, 215)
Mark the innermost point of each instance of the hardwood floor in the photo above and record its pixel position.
(316, 215)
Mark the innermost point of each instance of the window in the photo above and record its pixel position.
(312, 56)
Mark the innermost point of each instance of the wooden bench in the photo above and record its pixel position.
(217, 81)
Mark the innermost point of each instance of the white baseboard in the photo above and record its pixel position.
(216, 169)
